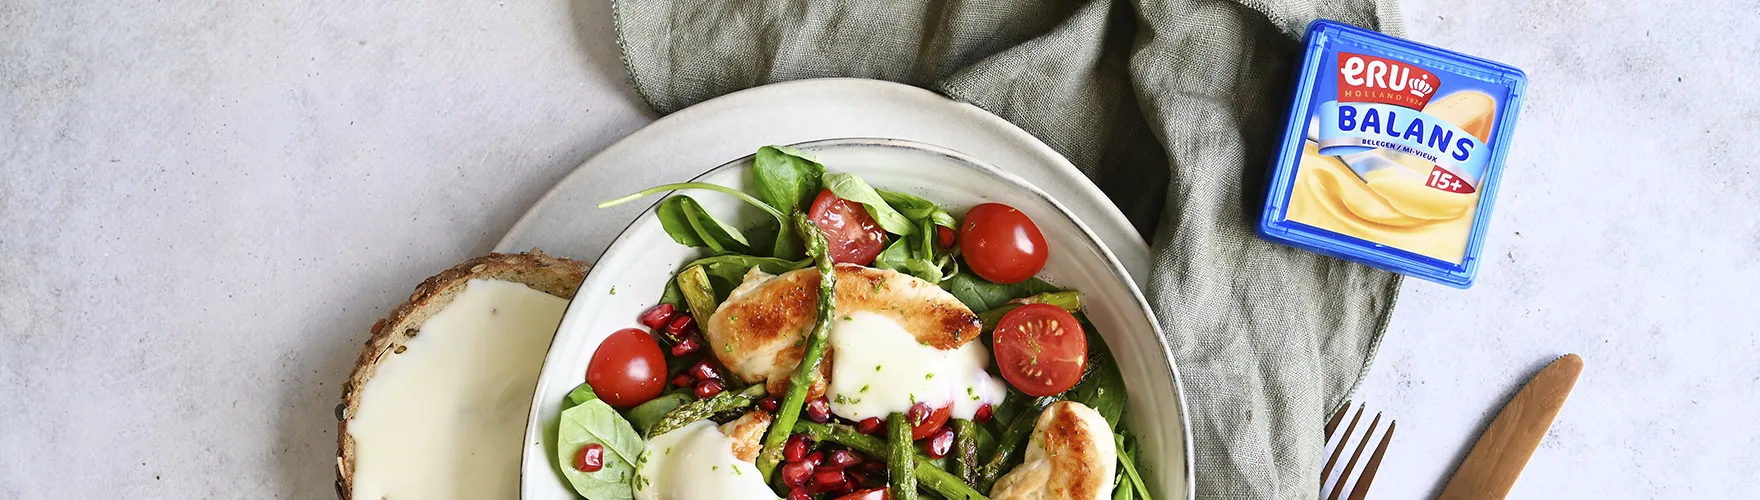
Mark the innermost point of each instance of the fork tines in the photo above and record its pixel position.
(1359, 479)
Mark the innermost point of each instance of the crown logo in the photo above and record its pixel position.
(1421, 87)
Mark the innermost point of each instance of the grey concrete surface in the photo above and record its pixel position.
(203, 206)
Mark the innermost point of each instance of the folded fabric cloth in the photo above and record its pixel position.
(1171, 107)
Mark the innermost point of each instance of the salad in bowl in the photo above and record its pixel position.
(849, 342)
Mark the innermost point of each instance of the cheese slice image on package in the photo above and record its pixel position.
(1392, 153)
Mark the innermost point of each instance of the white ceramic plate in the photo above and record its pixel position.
(633, 271)
(681, 144)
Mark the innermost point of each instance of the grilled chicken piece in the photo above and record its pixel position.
(759, 332)
(1071, 456)
(747, 433)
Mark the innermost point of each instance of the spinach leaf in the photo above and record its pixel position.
(894, 256)
(580, 395)
(787, 180)
(688, 224)
(913, 255)
(916, 208)
(594, 422)
(852, 188)
(981, 295)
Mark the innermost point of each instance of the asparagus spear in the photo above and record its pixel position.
(901, 458)
(705, 408)
(1070, 301)
(699, 294)
(937, 480)
(1012, 440)
(790, 412)
(965, 450)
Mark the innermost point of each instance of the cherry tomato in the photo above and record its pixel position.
(627, 369)
(1040, 349)
(851, 234)
(868, 494)
(1001, 244)
(925, 421)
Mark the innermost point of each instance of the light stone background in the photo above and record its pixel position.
(203, 205)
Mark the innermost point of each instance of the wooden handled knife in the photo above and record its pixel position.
(1495, 462)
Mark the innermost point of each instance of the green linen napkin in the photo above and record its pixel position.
(1171, 107)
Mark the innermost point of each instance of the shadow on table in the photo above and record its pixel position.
(596, 35)
(306, 428)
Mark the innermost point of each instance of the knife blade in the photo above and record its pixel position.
(1497, 459)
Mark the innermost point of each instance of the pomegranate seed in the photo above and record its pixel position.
(769, 404)
(944, 236)
(985, 413)
(856, 479)
(875, 467)
(919, 414)
(591, 458)
(829, 479)
(795, 474)
(819, 410)
(680, 324)
(795, 449)
(657, 316)
(799, 494)
(709, 388)
(684, 380)
(686, 347)
(704, 370)
(939, 444)
(844, 458)
(870, 425)
(816, 458)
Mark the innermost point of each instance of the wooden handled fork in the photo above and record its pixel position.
(1365, 475)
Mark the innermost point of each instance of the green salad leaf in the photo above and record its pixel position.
(917, 208)
(594, 422)
(580, 395)
(1101, 386)
(787, 180)
(1129, 484)
(852, 188)
(981, 295)
(690, 225)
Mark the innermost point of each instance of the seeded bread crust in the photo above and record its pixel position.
(553, 275)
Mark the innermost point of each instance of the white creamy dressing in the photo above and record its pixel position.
(880, 369)
(694, 462)
(445, 419)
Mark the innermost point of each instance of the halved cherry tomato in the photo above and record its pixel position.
(851, 234)
(1001, 244)
(627, 369)
(945, 237)
(1040, 349)
(925, 420)
(868, 494)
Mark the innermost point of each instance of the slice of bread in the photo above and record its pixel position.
(556, 276)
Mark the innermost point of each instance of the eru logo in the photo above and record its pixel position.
(1374, 72)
